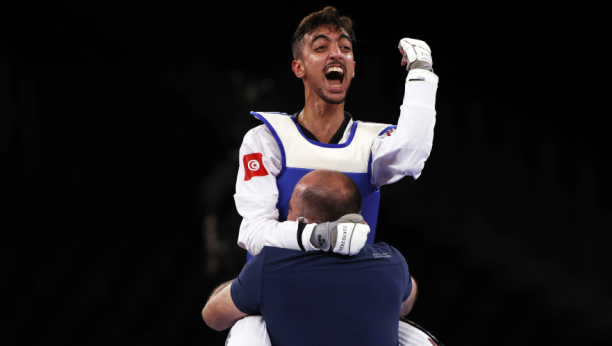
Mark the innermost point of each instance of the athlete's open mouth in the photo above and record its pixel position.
(335, 76)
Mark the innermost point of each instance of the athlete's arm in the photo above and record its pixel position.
(409, 302)
(403, 152)
(220, 312)
(257, 194)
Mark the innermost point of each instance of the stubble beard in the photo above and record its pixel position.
(324, 97)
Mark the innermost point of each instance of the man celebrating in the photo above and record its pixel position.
(357, 299)
(274, 156)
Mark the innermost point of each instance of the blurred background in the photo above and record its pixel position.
(119, 130)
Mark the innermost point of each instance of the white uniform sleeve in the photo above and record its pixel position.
(404, 151)
(256, 198)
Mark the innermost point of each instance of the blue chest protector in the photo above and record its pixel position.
(301, 155)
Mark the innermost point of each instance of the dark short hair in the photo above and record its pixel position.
(328, 16)
(331, 197)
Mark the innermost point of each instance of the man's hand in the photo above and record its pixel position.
(346, 236)
(415, 54)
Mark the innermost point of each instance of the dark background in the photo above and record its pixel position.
(119, 125)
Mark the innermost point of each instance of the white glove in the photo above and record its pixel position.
(346, 236)
(416, 54)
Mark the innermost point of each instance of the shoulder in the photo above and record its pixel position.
(272, 253)
(381, 246)
(258, 131)
(263, 130)
(372, 124)
(375, 128)
(258, 137)
(278, 259)
(269, 118)
(383, 251)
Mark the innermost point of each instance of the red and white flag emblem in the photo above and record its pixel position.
(253, 166)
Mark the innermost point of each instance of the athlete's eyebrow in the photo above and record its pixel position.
(344, 36)
(323, 36)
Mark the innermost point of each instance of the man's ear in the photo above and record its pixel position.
(354, 63)
(298, 68)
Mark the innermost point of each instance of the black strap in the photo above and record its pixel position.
(301, 227)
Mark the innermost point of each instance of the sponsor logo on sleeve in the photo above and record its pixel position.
(390, 132)
(253, 166)
(380, 255)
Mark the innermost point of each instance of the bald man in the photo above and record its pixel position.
(359, 298)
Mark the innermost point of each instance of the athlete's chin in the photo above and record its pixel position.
(332, 98)
(333, 101)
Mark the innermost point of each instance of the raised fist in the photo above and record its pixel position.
(415, 54)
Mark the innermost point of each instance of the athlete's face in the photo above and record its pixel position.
(327, 65)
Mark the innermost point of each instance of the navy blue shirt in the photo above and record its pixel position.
(318, 298)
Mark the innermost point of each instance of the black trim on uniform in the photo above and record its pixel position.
(337, 136)
(301, 227)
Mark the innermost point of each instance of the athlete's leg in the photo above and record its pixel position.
(249, 331)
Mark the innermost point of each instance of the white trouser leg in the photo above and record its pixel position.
(249, 331)
(412, 336)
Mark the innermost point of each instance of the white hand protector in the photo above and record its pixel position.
(350, 235)
(417, 54)
(346, 236)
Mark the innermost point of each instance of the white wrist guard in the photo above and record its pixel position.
(306, 235)
(422, 75)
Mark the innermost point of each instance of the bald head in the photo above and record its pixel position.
(322, 196)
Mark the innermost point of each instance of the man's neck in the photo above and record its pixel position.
(322, 119)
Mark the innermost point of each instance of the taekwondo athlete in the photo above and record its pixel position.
(275, 155)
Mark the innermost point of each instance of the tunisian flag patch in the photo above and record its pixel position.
(253, 166)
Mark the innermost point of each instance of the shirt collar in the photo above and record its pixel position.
(337, 136)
